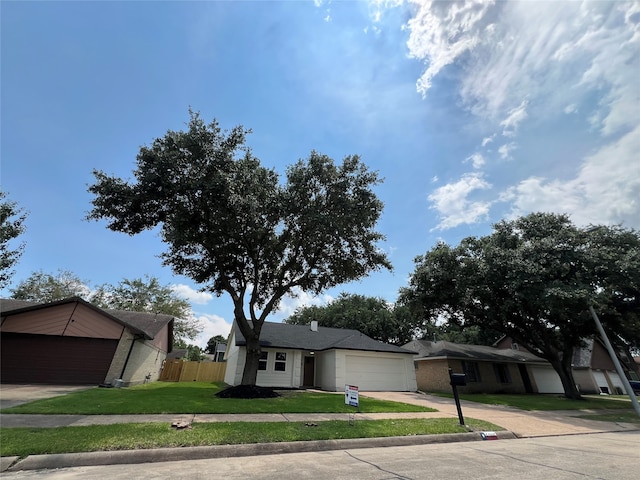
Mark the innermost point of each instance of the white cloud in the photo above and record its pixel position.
(516, 116)
(212, 325)
(606, 189)
(477, 160)
(506, 150)
(569, 109)
(487, 140)
(289, 304)
(452, 202)
(192, 295)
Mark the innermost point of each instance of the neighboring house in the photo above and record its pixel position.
(72, 341)
(296, 356)
(220, 350)
(593, 368)
(487, 369)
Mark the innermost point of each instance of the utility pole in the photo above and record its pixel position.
(616, 362)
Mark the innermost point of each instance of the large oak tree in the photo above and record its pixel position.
(234, 227)
(533, 279)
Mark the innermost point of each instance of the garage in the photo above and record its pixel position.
(51, 359)
(375, 373)
(547, 380)
(72, 342)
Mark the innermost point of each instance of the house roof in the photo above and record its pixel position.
(443, 349)
(301, 337)
(147, 324)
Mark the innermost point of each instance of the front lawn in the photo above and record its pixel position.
(198, 397)
(545, 402)
(36, 441)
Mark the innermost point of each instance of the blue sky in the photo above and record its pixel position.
(471, 111)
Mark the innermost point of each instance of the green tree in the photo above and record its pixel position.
(213, 341)
(533, 279)
(232, 226)
(148, 295)
(41, 287)
(12, 220)
(137, 295)
(370, 315)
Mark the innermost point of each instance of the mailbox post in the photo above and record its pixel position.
(457, 379)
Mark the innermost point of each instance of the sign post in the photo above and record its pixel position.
(351, 398)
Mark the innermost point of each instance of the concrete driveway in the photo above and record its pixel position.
(12, 394)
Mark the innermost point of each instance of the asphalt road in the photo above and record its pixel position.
(614, 456)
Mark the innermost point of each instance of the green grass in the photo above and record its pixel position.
(545, 402)
(34, 441)
(198, 397)
(620, 417)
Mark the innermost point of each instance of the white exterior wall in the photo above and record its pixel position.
(235, 362)
(291, 377)
(325, 365)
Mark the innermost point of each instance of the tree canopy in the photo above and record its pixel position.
(41, 287)
(234, 227)
(533, 279)
(12, 220)
(137, 295)
(370, 315)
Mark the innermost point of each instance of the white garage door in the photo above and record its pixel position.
(547, 380)
(376, 374)
(601, 381)
(618, 387)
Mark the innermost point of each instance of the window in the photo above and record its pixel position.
(262, 363)
(502, 373)
(281, 362)
(472, 371)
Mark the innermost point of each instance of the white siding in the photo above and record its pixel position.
(233, 355)
(325, 365)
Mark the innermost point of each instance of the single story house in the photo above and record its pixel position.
(487, 369)
(74, 342)
(593, 368)
(295, 356)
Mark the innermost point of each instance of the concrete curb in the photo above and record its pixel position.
(65, 460)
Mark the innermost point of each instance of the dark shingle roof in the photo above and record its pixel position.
(428, 349)
(301, 337)
(148, 324)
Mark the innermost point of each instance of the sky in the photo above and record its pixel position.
(471, 111)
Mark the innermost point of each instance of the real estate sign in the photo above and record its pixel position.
(351, 395)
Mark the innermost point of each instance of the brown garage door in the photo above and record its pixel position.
(56, 360)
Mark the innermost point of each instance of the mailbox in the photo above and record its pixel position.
(458, 379)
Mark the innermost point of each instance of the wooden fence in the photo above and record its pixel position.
(181, 371)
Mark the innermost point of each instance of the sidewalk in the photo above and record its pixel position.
(522, 423)
(517, 423)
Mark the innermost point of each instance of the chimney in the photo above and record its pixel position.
(314, 325)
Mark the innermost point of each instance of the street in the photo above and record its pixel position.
(614, 456)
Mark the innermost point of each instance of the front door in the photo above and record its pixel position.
(309, 371)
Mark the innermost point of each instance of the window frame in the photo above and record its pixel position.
(280, 362)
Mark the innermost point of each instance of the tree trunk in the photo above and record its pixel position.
(563, 368)
(250, 372)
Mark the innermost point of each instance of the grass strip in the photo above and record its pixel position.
(198, 397)
(619, 417)
(545, 402)
(35, 441)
